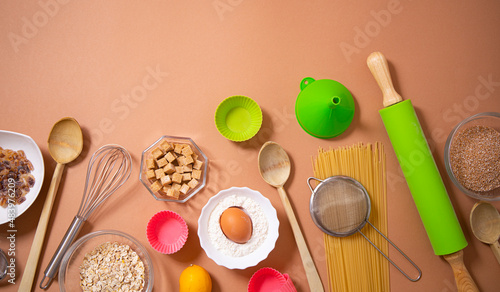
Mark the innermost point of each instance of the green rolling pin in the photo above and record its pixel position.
(421, 174)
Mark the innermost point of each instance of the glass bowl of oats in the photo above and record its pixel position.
(173, 169)
(107, 259)
(472, 156)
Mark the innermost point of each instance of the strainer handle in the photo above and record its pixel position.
(309, 182)
(400, 251)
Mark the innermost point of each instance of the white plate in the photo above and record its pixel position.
(257, 255)
(16, 141)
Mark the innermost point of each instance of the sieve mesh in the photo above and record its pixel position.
(340, 206)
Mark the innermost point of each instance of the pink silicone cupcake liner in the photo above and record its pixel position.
(270, 280)
(167, 232)
(288, 287)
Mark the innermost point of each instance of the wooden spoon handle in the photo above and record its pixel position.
(36, 247)
(311, 273)
(495, 247)
(463, 279)
(380, 71)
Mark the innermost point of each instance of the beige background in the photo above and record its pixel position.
(93, 61)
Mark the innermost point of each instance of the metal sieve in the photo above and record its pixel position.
(340, 206)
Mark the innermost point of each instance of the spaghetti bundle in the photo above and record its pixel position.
(353, 264)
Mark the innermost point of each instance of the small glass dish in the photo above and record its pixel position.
(69, 271)
(487, 119)
(160, 195)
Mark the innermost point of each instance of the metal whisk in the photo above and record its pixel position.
(109, 168)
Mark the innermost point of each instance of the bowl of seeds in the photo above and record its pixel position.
(472, 156)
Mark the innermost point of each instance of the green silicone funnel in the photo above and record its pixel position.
(324, 108)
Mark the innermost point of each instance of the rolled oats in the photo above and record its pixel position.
(112, 267)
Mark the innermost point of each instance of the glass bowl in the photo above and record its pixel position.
(69, 271)
(488, 119)
(161, 195)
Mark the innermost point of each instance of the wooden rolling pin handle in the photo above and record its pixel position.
(380, 71)
(36, 247)
(463, 279)
(312, 275)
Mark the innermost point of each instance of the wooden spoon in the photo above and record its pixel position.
(485, 224)
(65, 145)
(274, 167)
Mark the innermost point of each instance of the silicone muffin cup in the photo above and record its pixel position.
(167, 232)
(269, 279)
(238, 118)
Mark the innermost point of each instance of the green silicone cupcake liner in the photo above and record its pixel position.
(238, 118)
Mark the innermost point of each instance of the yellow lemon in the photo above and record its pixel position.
(195, 279)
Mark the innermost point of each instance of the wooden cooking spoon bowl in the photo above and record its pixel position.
(485, 224)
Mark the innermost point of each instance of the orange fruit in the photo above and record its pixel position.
(195, 279)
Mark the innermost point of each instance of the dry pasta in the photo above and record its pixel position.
(352, 263)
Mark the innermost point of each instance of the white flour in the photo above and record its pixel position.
(259, 226)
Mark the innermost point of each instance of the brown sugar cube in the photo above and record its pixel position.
(179, 169)
(184, 189)
(186, 176)
(150, 163)
(181, 160)
(193, 183)
(159, 173)
(188, 159)
(187, 151)
(170, 157)
(178, 148)
(166, 188)
(150, 174)
(156, 186)
(187, 168)
(176, 186)
(169, 168)
(198, 164)
(166, 146)
(196, 174)
(157, 153)
(165, 180)
(195, 156)
(161, 162)
(177, 177)
(173, 193)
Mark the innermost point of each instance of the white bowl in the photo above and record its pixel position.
(16, 142)
(261, 252)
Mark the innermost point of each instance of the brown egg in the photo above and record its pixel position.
(236, 224)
